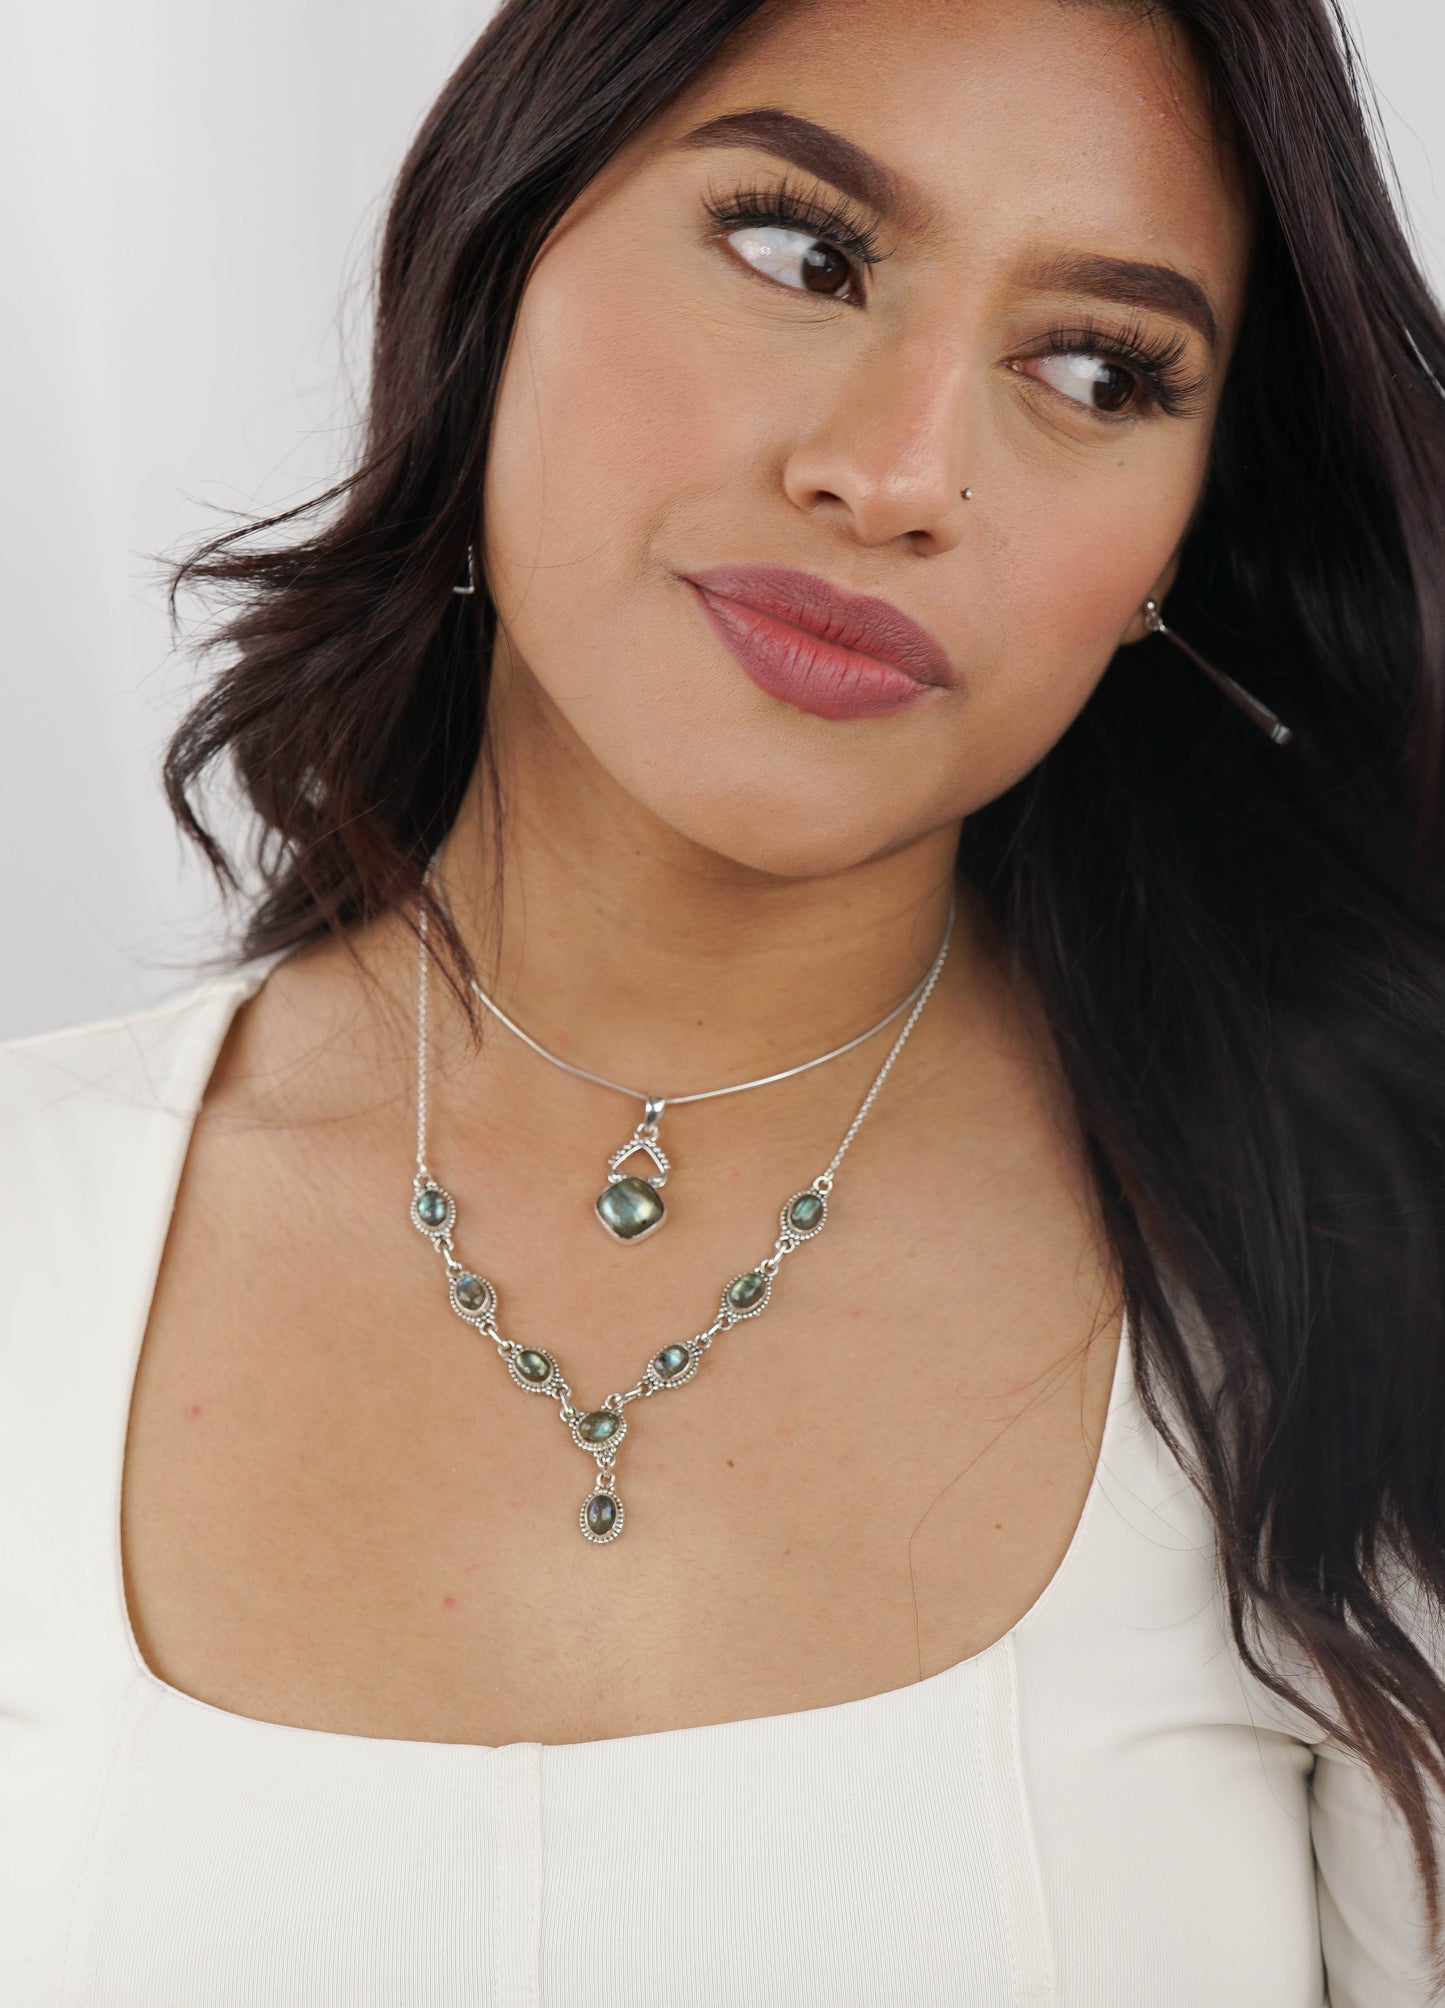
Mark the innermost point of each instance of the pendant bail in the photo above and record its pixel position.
(631, 1207)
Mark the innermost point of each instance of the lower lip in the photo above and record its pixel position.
(805, 671)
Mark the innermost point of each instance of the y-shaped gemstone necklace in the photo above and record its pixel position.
(599, 1431)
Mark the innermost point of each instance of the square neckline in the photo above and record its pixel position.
(219, 999)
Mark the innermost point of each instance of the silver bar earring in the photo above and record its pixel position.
(471, 584)
(1263, 717)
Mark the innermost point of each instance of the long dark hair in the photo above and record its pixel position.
(1241, 949)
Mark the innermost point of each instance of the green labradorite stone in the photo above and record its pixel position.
(744, 1291)
(597, 1427)
(806, 1210)
(671, 1360)
(533, 1366)
(432, 1207)
(630, 1208)
(471, 1293)
(601, 1513)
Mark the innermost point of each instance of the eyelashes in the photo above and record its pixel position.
(1156, 361)
(785, 206)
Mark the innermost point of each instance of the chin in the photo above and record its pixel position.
(784, 832)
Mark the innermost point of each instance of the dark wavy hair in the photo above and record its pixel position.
(1241, 949)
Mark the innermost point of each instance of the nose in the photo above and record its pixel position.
(885, 456)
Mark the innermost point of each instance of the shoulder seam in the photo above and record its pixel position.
(179, 1000)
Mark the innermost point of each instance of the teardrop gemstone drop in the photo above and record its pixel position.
(602, 1516)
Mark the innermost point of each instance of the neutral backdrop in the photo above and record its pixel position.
(189, 203)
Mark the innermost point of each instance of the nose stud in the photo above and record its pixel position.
(968, 494)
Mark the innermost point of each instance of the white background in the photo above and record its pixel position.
(188, 211)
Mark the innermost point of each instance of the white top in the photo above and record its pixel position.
(1101, 1810)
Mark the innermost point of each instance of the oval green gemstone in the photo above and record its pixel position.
(806, 1210)
(629, 1208)
(471, 1293)
(431, 1206)
(745, 1291)
(601, 1513)
(597, 1427)
(671, 1360)
(533, 1366)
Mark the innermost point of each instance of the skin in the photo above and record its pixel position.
(337, 1513)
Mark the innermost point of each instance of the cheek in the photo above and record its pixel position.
(1068, 568)
(615, 408)
(632, 437)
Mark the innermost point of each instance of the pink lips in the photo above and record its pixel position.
(825, 650)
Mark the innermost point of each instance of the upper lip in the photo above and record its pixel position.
(853, 620)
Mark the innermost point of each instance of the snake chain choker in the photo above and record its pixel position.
(599, 1431)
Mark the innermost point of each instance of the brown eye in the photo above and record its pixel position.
(794, 258)
(1113, 387)
(1090, 380)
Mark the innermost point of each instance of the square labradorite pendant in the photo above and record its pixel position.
(630, 1208)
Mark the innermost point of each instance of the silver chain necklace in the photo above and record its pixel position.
(599, 1431)
(632, 1207)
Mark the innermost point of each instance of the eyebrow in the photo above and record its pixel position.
(820, 151)
(1162, 288)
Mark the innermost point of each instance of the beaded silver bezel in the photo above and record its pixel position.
(531, 1386)
(600, 1540)
(649, 1147)
(790, 1227)
(446, 1226)
(603, 1452)
(684, 1374)
(753, 1309)
(488, 1311)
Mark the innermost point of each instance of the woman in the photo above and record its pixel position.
(720, 769)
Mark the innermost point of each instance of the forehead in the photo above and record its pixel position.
(1066, 123)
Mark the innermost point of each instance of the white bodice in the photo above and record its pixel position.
(1101, 1810)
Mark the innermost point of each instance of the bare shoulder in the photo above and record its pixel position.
(308, 1045)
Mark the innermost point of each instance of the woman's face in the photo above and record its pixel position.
(693, 386)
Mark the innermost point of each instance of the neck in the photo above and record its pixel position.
(629, 951)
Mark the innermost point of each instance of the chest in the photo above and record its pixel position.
(339, 1511)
